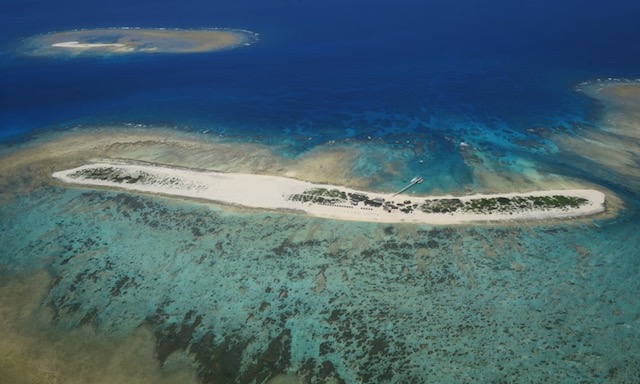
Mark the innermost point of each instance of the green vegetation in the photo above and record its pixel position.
(441, 205)
(557, 201)
(94, 173)
(321, 196)
(117, 175)
(359, 197)
(501, 204)
(485, 205)
(407, 209)
(107, 174)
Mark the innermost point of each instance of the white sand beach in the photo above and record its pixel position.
(79, 45)
(274, 193)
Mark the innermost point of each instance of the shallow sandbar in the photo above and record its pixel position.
(615, 144)
(136, 40)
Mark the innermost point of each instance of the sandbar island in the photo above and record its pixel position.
(330, 201)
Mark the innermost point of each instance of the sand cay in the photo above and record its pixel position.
(136, 40)
(79, 45)
(330, 201)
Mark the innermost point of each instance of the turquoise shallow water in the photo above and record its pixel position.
(265, 293)
(106, 287)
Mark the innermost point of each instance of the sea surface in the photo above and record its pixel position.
(103, 286)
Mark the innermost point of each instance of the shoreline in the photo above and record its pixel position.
(275, 193)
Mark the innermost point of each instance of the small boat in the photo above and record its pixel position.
(417, 180)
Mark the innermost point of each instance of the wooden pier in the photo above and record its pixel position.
(414, 181)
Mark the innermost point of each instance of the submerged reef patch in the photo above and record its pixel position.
(108, 41)
(326, 301)
(201, 293)
(612, 151)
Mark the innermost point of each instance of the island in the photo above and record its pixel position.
(107, 41)
(330, 201)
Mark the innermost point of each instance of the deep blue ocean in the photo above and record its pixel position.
(100, 286)
(326, 70)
